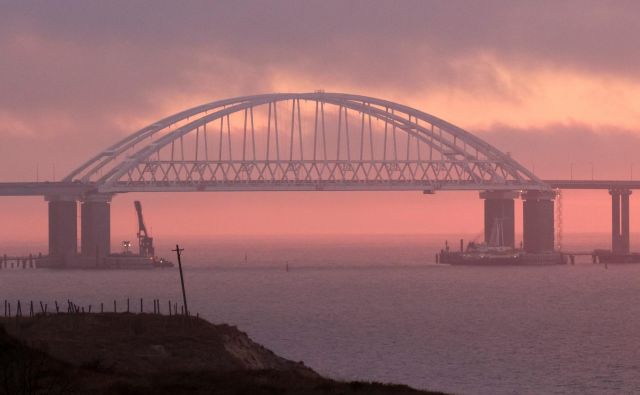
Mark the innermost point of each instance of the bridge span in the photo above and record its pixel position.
(301, 142)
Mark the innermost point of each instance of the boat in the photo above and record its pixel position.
(495, 253)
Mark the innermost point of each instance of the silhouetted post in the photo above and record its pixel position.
(114, 306)
(101, 307)
(184, 295)
(141, 307)
(127, 305)
(169, 308)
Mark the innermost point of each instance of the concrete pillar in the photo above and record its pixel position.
(615, 220)
(620, 242)
(538, 221)
(624, 221)
(96, 227)
(63, 229)
(499, 207)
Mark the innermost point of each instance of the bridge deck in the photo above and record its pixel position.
(44, 188)
(47, 188)
(593, 184)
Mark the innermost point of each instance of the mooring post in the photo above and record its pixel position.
(184, 295)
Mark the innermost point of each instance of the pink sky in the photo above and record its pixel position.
(552, 83)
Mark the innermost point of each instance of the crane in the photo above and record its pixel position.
(146, 242)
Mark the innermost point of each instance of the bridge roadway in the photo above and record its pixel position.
(61, 188)
(45, 188)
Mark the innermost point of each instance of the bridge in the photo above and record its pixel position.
(313, 141)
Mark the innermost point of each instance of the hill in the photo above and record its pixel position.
(147, 353)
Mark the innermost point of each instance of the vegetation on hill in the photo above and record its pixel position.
(144, 353)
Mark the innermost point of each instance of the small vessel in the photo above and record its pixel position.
(145, 258)
(495, 253)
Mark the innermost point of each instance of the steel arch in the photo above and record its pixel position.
(437, 155)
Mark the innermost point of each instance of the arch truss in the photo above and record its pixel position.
(303, 141)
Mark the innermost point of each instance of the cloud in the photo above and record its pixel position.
(552, 149)
(123, 49)
(76, 76)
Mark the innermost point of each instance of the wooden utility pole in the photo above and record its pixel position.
(178, 250)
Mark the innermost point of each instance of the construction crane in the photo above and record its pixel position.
(146, 242)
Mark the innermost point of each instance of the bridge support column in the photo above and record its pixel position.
(538, 221)
(620, 240)
(63, 228)
(624, 220)
(499, 217)
(96, 227)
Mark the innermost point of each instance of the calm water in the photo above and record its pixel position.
(375, 310)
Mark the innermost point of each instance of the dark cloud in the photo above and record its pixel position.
(89, 72)
(142, 47)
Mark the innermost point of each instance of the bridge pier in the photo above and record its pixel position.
(538, 221)
(620, 240)
(96, 226)
(499, 206)
(63, 232)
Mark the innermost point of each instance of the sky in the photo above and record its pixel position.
(555, 84)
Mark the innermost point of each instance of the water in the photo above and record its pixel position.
(346, 313)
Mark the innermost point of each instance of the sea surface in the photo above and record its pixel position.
(379, 309)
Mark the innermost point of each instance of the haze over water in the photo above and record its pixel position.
(377, 308)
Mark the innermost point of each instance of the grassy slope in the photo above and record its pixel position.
(141, 354)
